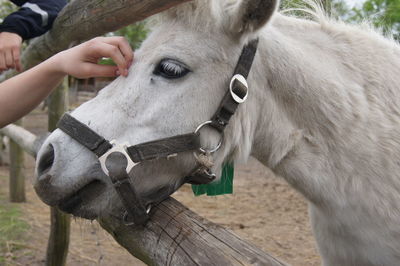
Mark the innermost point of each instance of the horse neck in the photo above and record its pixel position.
(287, 76)
(313, 90)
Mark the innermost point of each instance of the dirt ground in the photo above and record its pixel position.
(263, 210)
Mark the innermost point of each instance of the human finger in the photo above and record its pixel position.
(123, 46)
(2, 62)
(95, 70)
(108, 50)
(8, 59)
(17, 59)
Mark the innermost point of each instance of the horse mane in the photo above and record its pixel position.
(210, 16)
(313, 10)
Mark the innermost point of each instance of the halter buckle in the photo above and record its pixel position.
(243, 81)
(122, 148)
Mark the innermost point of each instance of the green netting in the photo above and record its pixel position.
(220, 187)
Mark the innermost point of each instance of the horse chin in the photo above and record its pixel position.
(158, 194)
(85, 214)
(90, 201)
(84, 203)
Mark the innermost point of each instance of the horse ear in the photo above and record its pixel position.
(247, 16)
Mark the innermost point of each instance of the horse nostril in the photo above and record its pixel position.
(46, 160)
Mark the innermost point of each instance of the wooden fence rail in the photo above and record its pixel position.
(80, 20)
(174, 235)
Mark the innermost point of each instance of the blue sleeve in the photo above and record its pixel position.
(34, 18)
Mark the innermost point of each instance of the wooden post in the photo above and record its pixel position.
(4, 156)
(17, 176)
(57, 247)
(2, 150)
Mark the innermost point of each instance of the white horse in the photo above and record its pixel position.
(323, 112)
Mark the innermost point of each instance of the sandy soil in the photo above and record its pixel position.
(263, 210)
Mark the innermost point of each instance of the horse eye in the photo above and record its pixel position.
(170, 69)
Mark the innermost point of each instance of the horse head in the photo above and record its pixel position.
(180, 74)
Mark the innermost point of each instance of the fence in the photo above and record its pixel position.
(174, 235)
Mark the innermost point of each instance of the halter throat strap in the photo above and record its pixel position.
(238, 88)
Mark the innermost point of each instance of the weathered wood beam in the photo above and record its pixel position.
(83, 20)
(174, 235)
(177, 236)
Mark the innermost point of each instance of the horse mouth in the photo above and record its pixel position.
(76, 204)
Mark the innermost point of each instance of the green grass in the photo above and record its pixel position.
(12, 228)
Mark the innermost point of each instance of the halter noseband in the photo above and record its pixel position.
(117, 160)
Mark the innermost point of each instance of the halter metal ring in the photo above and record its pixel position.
(203, 150)
(242, 80)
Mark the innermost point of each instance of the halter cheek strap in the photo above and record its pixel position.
(116, 164)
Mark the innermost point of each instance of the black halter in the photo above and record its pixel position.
(118, 160)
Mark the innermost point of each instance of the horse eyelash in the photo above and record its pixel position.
(171, 69)
(169, 66)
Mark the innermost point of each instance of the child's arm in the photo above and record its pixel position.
(22, 93)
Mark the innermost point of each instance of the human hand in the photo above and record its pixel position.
(82, 61)
(10, 47)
